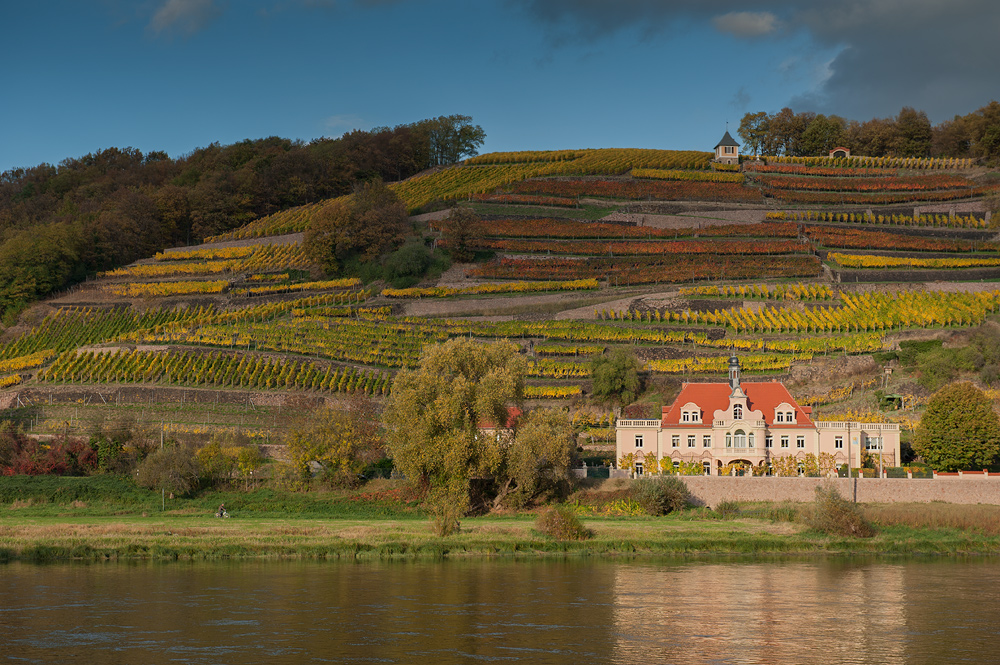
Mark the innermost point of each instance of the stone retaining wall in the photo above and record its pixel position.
(710, 490)
(845, 276)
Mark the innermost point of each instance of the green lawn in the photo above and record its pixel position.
(109, 518)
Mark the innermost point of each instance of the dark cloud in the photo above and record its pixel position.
(941, 57)
(740, 100)
(747, 24)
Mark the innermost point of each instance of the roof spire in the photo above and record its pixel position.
(734, 370)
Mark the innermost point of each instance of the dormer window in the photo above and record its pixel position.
(784, 413)
(738, 412)
(690, 413)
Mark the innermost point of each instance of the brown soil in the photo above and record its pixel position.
(675, 217)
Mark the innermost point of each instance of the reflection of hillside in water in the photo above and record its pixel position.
(761, 613)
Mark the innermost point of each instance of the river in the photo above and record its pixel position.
(576, 611)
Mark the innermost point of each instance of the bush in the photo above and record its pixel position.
(910, 349)
(446, 507)
(407, 264)
(21, 454)
(174, 469)
(727, 509)
(662, 495)
(561, 523)
(116, 490)
(616, 376)
(836, 516)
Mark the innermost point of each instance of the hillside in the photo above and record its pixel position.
(805, 269)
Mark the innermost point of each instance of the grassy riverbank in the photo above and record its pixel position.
(106, 518)
(168, 537)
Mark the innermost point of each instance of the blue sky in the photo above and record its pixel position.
(174, 75)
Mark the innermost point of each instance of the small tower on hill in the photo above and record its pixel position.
(734, 371)
(734, 376)
(727, 151)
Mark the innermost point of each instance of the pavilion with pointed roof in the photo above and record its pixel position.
(747, 424)
(727, 151)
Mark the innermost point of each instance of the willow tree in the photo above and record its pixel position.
(437, 416)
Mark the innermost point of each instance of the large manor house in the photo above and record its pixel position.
(747, 424)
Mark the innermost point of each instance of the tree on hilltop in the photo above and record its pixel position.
(959, 429)
(449, 139)
(754, 131)
(915, 133)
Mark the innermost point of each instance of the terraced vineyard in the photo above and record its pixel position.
(261, 320)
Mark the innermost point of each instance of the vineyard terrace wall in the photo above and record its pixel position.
(711, 490)
(871, 276)
(143, 395)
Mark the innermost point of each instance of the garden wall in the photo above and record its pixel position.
(710, 490)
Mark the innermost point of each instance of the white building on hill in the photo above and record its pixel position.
(747, 424)
(727, 151)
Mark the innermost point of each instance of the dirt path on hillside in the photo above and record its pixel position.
(693, 219)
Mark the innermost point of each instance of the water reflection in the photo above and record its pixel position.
(761, 613)
(510, 611)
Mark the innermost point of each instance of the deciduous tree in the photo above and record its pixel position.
(434, 414)
(959, 429)
(539, 459)
(370, 223)
(460, 229)
(449, 139)
(754, 131)
(341, 440)
(173, 468)
(822, 135)
(877, 137)
(785, 130)
(616, 376)
(914, 133)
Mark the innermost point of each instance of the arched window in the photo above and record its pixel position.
(750, 439)
(738, 412)
(729, 440)
(740, 439)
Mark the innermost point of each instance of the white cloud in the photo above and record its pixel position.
(747, 24)
(343, 121)
(185, 16)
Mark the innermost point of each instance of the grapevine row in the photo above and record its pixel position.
(211, 369)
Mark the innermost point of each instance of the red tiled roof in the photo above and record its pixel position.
(513, 413)
(711, 397)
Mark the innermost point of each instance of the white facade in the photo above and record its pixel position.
(755, 424)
